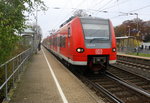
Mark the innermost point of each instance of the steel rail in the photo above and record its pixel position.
(130, 72)
(110, 95)
(129, 85)
(134, 59)
(134, 64)
(106, 92)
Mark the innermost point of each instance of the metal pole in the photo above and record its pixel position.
(137, 32)
(129, 30)
(129, 40)
(137, 22)
(14, 74)
(21, 62)
(23, 57)
(36, 27)
(6, 86)
(19, 68)
(128, 44)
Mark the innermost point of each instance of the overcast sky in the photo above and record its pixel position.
(52, 18)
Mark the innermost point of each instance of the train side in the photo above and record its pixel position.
(85, 41)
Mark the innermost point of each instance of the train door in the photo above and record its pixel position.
(68, 43)
(58, 43)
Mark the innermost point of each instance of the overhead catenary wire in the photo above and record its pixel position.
(105, 8)
(98, 3)
(62, 20)
(132, 11)
(62, 10)
(81, 3)
(107, 3)
(118, 3)
(140, 8)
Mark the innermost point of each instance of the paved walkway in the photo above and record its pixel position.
(38, 86)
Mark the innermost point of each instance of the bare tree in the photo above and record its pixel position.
(80, 13)
(52, 31)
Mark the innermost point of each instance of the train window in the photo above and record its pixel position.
(69, 32)
(58, 41)
(96, 32)
(50, 42)
(55, 41)
(96, 29)
(62, 41)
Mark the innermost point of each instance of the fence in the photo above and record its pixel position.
(10, 72)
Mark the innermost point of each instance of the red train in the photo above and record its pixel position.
(84, 41)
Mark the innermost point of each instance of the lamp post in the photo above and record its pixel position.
(128, 44)
(126, 14)
(36, 32)
(137, 25)
(128, 30)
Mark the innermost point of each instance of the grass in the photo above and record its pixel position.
(140, 54)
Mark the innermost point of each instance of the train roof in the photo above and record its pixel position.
(72, 17)
(89, 17)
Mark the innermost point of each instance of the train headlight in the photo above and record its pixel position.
(114, 49)
(80, 50)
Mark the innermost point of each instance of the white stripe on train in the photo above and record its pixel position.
(76, 62)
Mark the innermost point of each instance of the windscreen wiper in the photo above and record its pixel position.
(100, 38)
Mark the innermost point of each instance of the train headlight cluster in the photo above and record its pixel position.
(80, 50)
(114, 49)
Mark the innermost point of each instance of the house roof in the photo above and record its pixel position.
(28, 31)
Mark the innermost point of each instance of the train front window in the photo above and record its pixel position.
(95, 31)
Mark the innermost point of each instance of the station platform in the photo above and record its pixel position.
(46, 80)
(134, 56)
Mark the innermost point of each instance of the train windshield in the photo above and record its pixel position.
(95, 30)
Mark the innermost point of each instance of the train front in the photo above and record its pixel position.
(99, 42)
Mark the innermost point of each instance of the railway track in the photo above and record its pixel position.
(132, 64)
(118, 86)
(130, 78)
(135, 68)
(115, 90)
(143, 61)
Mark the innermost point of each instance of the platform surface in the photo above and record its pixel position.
(134, 56)
(38, 85)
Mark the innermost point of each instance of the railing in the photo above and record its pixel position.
(10, 72)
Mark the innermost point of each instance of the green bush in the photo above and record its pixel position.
(12, 22)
